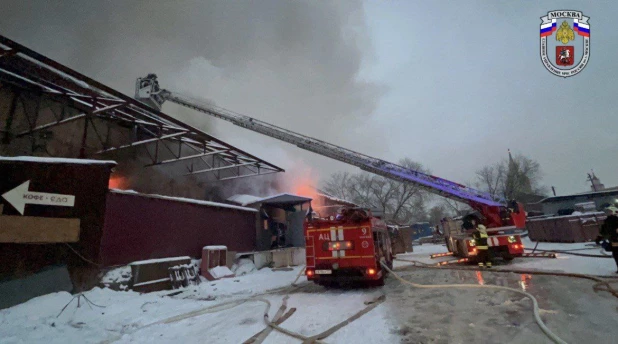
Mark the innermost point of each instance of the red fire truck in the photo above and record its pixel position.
(347, 248)
(504, 242)
(501, 216)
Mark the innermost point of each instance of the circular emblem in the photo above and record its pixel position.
(568, 34)
(365, 244)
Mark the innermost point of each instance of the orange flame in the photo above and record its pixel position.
(302, 181)
(118, 182)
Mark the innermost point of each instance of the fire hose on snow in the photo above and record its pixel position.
(577, 254)
(535, 304)
(274, 323)
(601, 285)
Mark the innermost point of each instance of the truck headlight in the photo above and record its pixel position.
(472, 242)
(512, 239)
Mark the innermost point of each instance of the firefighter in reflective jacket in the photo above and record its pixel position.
(482, 250)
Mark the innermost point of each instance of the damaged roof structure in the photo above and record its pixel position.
(104, 121)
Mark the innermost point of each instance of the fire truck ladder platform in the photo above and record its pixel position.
(147, 90)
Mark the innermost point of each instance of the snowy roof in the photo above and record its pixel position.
(588, 195)
(613, 188)
(280, 198)
(46, 160)
(335, 199)
(182, 199)
(243, 199)
(574, 215)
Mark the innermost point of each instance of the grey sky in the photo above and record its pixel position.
(451, 85)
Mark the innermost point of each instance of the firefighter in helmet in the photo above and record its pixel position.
(482, 250)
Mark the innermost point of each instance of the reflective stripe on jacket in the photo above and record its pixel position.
(481, 240)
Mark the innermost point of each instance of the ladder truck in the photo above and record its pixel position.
(500, 217)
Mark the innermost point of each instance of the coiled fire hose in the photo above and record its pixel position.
(535, 304)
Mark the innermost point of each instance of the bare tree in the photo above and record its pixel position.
(401, 202)
(512, 178)
(437, 213)
(491, 178)
(455, 208)
(340, 185)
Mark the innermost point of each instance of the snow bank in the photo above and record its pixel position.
(256, 282)
(46, 160)
(121, 275)
(243, 267)
(35, 308)
(37, 320)
(220, 272)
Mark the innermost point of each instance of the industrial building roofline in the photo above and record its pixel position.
(165, 138)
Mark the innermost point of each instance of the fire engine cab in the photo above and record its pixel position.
(347, 247)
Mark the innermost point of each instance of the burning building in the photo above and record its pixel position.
(52, 112)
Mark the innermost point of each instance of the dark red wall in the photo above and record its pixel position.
(139, 227)
(87, 182)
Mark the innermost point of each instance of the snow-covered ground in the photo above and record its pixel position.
(563, 262)
(429, 316)
(124, 312)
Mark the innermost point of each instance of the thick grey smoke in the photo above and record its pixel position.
(292, 63)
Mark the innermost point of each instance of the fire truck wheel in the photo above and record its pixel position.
(461, 248)
(376, 283)
(507, 257)
(329, 284)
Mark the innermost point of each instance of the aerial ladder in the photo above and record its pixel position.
(495, 212)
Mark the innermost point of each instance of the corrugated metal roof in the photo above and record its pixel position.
(606, 192)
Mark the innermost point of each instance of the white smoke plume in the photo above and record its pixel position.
(295, 64)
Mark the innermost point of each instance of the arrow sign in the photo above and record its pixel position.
(20, 196)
